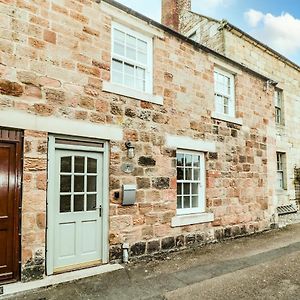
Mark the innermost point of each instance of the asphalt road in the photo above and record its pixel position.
(262, 266)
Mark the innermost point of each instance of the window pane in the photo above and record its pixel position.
(180, 159)
(129, 69)
(186, 202)
(79, 203)
(119, 36)
(186, 189)
(188, 174)
(117, 65)
(140, 73)
(119, 49)
(188, 160)
(196, 161)
(91, 165)
(65, 164)
(65, 204)
(142, 46)
(78, 183)
(195, 188)
(91, 183)
(130, 41)
(142, 57)
(195, 201)
(129, 75)
(117, 77)
(196, 174)
(91, 202)
(129, 81)
(65, 184)
(179, 188)
(179, 202)
(180, 173)
(79, 164)
(131, 53)
(140, 85)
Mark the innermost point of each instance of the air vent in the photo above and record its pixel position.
(286, 209)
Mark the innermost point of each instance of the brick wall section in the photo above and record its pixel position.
(172, 11)
(55, 56)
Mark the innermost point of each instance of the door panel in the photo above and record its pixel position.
(78, 197)
(10, 167)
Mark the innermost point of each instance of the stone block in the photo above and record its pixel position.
(168, 243)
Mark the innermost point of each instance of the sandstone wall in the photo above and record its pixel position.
(54, 57)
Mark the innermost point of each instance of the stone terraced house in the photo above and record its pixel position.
(117, 132)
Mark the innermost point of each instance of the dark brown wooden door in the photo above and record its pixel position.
(10, 179)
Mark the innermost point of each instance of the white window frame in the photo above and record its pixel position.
(148, 67)
(278, 95)
(230, 96)
(202, 185)
(281, 170)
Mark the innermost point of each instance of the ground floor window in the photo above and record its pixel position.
(190, 182)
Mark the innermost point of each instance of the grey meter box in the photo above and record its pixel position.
(129, 194)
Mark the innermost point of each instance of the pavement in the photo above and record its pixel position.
(261, 266)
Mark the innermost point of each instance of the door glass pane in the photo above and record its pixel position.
(91, 183)
(65, 164)
(79, 164)
(65, 204)
(91, 202)
(78, 202)
(92, 165)
(78, 183)
(65, 183)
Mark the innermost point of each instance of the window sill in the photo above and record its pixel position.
(192, 219)
(226, 118)
(124, 91)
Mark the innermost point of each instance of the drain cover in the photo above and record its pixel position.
(286, 209)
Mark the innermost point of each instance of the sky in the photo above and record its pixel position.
(273, 22)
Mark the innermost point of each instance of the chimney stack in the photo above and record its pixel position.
(172, 11)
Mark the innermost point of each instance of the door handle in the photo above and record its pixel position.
(100, 210)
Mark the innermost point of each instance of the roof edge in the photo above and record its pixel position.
(225, 24)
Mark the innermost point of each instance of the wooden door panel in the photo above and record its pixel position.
(9, 206)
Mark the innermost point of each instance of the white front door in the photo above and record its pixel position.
(78, 190)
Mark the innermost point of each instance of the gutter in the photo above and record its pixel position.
(183, 38)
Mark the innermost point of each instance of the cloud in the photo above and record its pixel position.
(280, 32)
(253, 17)
(210, 7)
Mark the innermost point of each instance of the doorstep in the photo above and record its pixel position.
(18, 287)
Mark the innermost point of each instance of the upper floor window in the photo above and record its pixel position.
(131, 59)
(224, 93)
(278, 99)
(281, 170)
(190, 182)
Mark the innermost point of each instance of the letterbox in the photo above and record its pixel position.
(129, 194)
